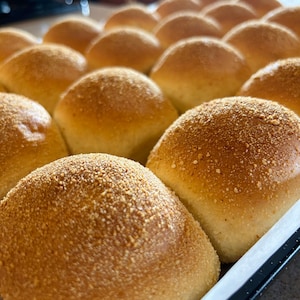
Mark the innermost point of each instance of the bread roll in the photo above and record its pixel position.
(114, 110)
(42, 72)
(14, 39)
(76, 32)
(262, 42)
(127, 47)
(235, 165)
(262, 6)
(288, 16)
(199, 69)
(278, 81)
(167, 7)
(229, 14)
(135, 15)
(95, 226)
(178, 26)
(29, 139)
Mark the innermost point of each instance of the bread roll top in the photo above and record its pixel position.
(29, 139)
(277, 81)
(96, 226)
(42, 72)
(235, 164)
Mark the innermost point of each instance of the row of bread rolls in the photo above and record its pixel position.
(151, 44)
(103, 226)
(243, 50)
(231, 161)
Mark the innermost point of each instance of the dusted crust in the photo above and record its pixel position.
(278, 81)
(287, 16)
(263, 42)
(29, 138)
(14, 39)
(42, 72)
(133, 15)
(235, 164)
(76, 32)
(126, 47)
(262, 7)
(182, 25)
(168, 7)
(229, 14)
(199, 69)
(96, 226)
(114, 110)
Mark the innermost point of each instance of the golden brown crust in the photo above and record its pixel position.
(76, 32)
(136, 15)
(96, 226)
(189, 71)
(229, 14)
(262, 42)
(2, 88)
(14, 39)
(287, 16)
(114, 110)
(167, 7)
(278, 81)
(262, 6)
(178, 26)
(42, 72)
(234, 164)
(29, 139)
(127, 47)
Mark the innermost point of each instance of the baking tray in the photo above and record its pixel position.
(258, 269)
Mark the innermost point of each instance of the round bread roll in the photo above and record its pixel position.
(42, 72)
(278, 81)
(199, 69)
(262, 7)
(114, 110)
(135, 15)
(167, 7)
(96, 226)
(29, 139)
(235, 165)
(76, 32)
(127, 47)
(288, 16)
(262, 42)
(14, 39)
(229, 14)
(178, 26)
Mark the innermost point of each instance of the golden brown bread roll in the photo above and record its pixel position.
(135, 15)
(95, 226)
(127, 47)
(278, 81)
(288, 16)
(114, 110)
(262, 7)
(229, 14)
(262, 42)
(167, 7)
(178, 26)
(42, 72)
(199, 69)
(235, 164)
(76, 32)
(29, 138)
(14, 39)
